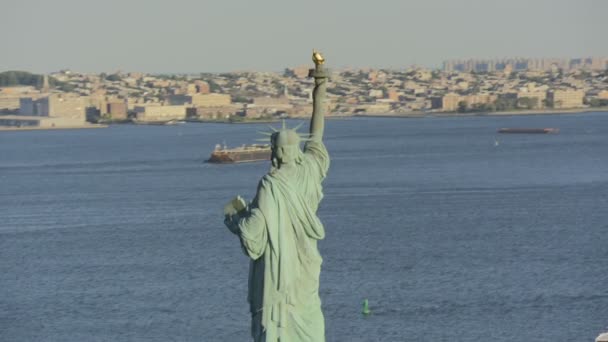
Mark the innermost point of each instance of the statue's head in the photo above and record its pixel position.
(285, 145)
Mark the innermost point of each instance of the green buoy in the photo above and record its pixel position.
(366, 310)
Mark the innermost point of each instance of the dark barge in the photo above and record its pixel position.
(529, 130)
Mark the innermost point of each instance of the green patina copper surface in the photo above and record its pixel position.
(279, 231)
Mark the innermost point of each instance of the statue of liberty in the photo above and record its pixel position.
(279, 231)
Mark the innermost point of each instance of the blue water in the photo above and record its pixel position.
(116, 234)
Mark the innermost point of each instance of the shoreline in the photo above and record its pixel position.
(549, 111)
(404, 115)
(17, 129)
(233, 122)
(256, 121)
(413, 115)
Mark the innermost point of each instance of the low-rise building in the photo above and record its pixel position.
(28, 106)
(202, 87)
(479, 99)
(298, 72)
(9, 102)
(393, 95)
(40, 122)
(568, 98)
(603, 95)
(266, 106)
(449, 102)
(156, 113)
(200, 100)
(374, 108)
(436, 102)
(54, 105)
(117, 110)
(215, 113)
(536, 99)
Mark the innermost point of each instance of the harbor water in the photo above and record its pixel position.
(451, 231)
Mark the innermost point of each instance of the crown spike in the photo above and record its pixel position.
(283, 126)
(273, 129)
(265, 133)
(298, 126)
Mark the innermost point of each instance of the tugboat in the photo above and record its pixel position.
(242, 154)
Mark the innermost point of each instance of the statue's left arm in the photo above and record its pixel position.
(250, 225)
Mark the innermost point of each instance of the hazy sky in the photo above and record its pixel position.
(228, 35)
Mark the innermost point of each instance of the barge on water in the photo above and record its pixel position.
(529, 130)
(243, 154)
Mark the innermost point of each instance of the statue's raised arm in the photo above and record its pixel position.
(317, 123)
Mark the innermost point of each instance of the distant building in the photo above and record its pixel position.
(537, 97)
(55, 105)
(9, 97)
(377, 93)
(298, 72)
(215, 113)
(28, 106)
(480, 99)
(393, 95)
(191, 89)
(267, 101)
(53, 111)
(202, 87)
(436, 102)
(603, 95)
(200, 100)
(156, 113)
(60, 105)
(97, 106)
(449, 102)
(9, 102)
(18, 90)
(522, 64)
(374, 109)
(22, 121)
(569, 98)
(210, 100)
(117, 110)
(266, 105)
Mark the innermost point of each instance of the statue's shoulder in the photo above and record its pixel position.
(315, 143)
(267, 180)
(316, 147)
(317, 155)
(275, 178)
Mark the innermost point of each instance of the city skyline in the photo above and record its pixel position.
(211, 36)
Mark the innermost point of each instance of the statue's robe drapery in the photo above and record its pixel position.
(280, 235)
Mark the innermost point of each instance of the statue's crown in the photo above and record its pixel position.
(285, 136)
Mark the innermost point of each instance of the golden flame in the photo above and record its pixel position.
(317, 57)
